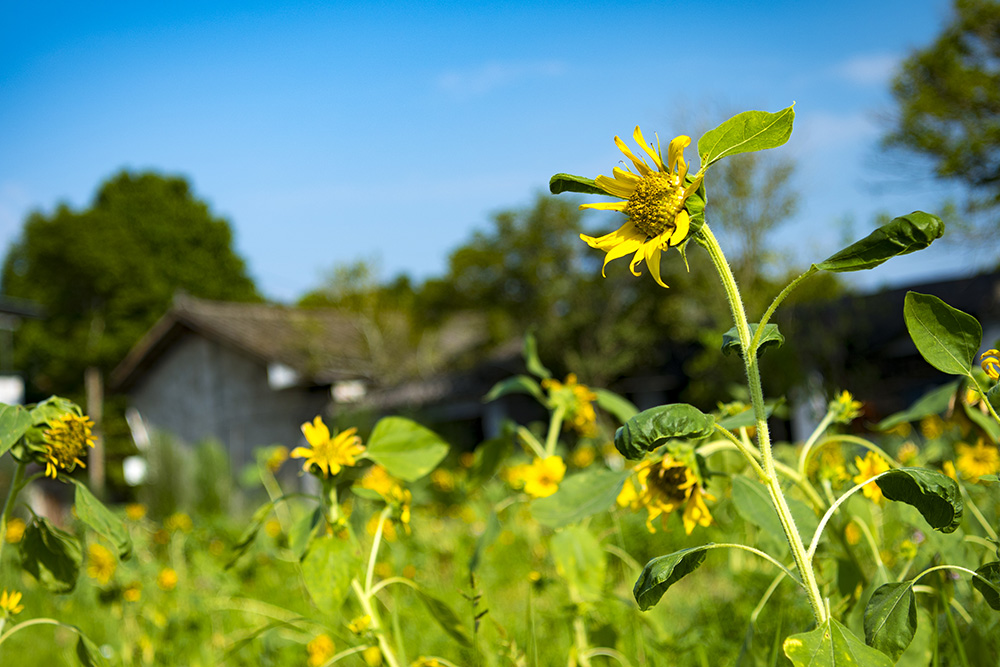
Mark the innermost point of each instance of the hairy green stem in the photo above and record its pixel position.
(763, 434)
(777, 302)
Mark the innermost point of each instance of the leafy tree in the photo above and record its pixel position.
(948, 98)
(103, 275)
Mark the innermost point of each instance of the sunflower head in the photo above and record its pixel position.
(66, 441)
(661, 487)
(330, 454)
(991, 363)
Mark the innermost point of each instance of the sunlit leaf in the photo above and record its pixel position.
(405, 448)
(934, 494)
(580, 496)
(92, 512)
(753, 503)
(900, 236)
(891, 618)
(946, 337)
(744, 133)
(663, 572)
(14, 423)
(832, 645)
(651, 428)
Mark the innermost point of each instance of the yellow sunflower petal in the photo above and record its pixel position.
(607, 206)
(641, 166)
(637, 135)
(626, 176)
(651, 251)
(627, 232)
(615, 187)
(675, 152)
(316, 432)
(682, 225)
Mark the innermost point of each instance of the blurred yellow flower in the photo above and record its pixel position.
(167, 579)
(66, 441)
(578, 402)
(383, 570)
(902, 429)
(844, 408)
(132, 592)
(424, 661)
(101, 563)
(277, 456)
(409, 571)
(329, 454)
(540, 478)
(379, 480)
(852, 534)
(972, 396)
(135, 511)
(372, 656)
(466, 459)
(178, 521)
(869, 467)
(273, 528)
(15, 530)
(907, 453)
(583, 456)
(978, 460)
(10, 603)
(320, 650)
(991, 363)
(443, 480)
(932, 427)
(949, 469)
(661, 487)
(654, 202)
(360, 624)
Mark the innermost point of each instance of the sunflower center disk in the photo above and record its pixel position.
(667, 481)
(654, 205)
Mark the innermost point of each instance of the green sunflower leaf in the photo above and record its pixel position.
(770, 338)
(405, 448)
(568, 183)
(933, 402)
(900, 236)
(990, 572)
(618, 406)
(531, 359)
(745, 133)
(14, 423)
(988, 425)
(580, 496)
(934, 494)
(93, 512)
(946, 338)
(519, 384)
(328, 567)
(651, 428)
(832, 645)
(50, 555)
(891, 618)
(446, 617)
(581, 561)
(663, 572)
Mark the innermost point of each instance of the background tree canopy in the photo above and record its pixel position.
(104, 275)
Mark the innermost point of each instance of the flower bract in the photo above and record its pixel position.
(654, 201)
(330, 454)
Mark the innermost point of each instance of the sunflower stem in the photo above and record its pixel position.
(749, 350)
(555, 426)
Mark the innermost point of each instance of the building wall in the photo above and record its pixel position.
(199, 389)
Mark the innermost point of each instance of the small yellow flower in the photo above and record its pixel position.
(277, 456)
(10, 603)
(583, 456)
(273, 528)
(135, 511)
(654, 201)
(661, 487)
(844, 408)
(932, 427)
(383, 570)
(467, 459)
(132, 592)
(66, 441)
(379, 480)
(372, 656)
(540, 478)
(991, 363)
(907, 453)
(329, 454)
(443, 480)
(869, 467)
(320, 650)
(360, 624)
(974, 462)
(178, 521)
(15, 530)
(167, 579)
(949, 469)
(101, 563)
(388, 529)
(852, 534)
(577, 400)
(902, 429)
(908, 550)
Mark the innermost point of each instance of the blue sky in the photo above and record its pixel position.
(329, 132)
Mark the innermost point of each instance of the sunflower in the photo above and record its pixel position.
(654, 201)
(330, 454)
(869, 467)
(101, 564)
(540, 478)
(991, 363)
(66, 441)
(663, 486)
(976, 461)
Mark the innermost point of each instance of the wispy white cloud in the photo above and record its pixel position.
(873, 69)
(493, 75)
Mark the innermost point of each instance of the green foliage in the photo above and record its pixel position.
(518, 384)
(991, 573)
(891, 618)
(581, 561)
(580, 496)
(328, 567)
(901, 236)
(934, 494)
(946, 337)
(934, 402)
(746, 132)
(663, 572)
(753, 503)
(568, 183)
(620, 408)
(99, 518)
(446, 617)
(654, 427)
(405, 448)
(832, 645)
(770, 338)
(14, 423)
(50, 555)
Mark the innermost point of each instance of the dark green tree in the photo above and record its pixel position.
(103, 275)
(948, 99)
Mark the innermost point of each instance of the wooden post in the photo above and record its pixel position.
(94, 388)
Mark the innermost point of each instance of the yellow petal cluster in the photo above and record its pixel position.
(320, 650)
(10, 603)
(991, 363)
(664, 486)
(578, 402)
(654, 201)
(101, 563)
(845, 408)
(330, 454)
(978, 460)
(66, 441)
(540, 478)
(869, 467)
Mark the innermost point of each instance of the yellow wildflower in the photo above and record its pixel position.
(577, 400)
(101, 563)
(949, 469)
(372, 656)
(908, 550)
(903, 429)
(178, 521)
(991, 363)
(583, 456)
(15, 530)
(443, 480)
(360, 624)
(907, 453)
(654, 202)
(132, 592)
(466, 459)
(329, 454)
(320, 650)
(10, 603)
(276, 457)
(66, 441)
(976, 461)
(383, 570)
(852, 534)
(869, 467)
(167, 579)
(135, 511)
(388, 529)
(845, 408)
(540, 478)
(932, 427)
(661, 487)
(379, 480)
(273, 528)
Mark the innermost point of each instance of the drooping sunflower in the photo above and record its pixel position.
(664, 486)
(66, 441)
(330, 454)
(654, 201)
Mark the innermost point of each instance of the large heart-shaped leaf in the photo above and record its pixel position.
(744, 133)
(934, 494)
(901, 236)
(405, 448)
(651, 428)
(891, 618)
(663, 572)
(946, 337)
(832, 645)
